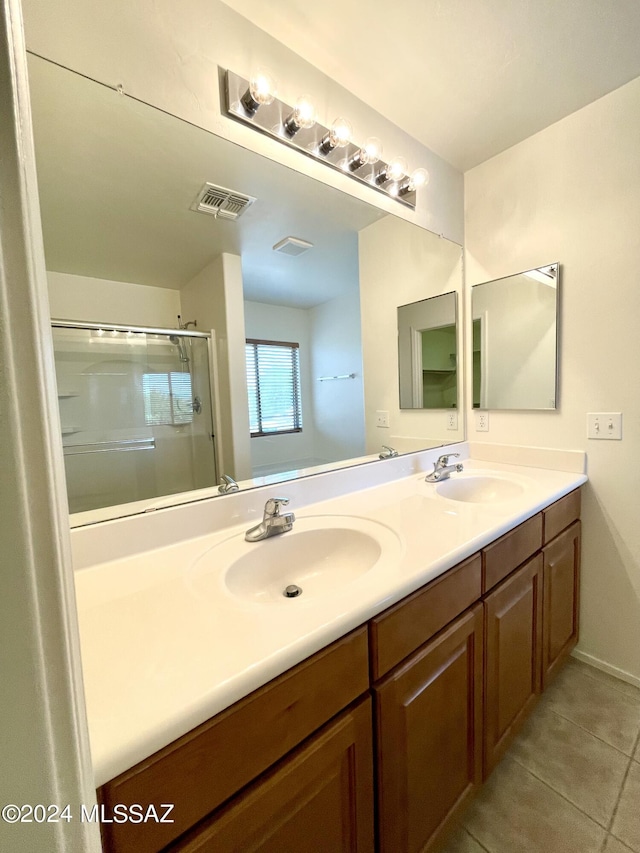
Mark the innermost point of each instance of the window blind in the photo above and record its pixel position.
(273, 384)
(167, 398)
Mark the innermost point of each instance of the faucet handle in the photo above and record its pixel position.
(272, 506)
(444, 460)
(387, 452)
(227, 484)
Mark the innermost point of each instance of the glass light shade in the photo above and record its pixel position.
(396, 169)
(262, 87)
(340, 133)
(304, 112)
(371, 151)
(419, 178)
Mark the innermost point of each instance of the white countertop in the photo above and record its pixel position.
(165, 645)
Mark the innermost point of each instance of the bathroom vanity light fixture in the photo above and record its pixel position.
(303, 116)
(339, 136)
(418, 178)
(261, 91)
(369, 154)
(393, 171)
(254, 103)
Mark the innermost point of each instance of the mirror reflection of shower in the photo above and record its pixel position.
(125, 389)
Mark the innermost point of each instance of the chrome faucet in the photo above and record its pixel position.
(272, 522)
(442, 470)
(387, 452)
(227, 484)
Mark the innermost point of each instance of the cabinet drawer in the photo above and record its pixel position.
(317, 800)
(505, 554)
(560, 515)
(204, 768)
(403, 628)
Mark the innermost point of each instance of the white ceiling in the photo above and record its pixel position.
(467, 78)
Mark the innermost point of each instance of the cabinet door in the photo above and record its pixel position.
(561, 600)
(429, 737)
(513, 662)
(317, 800)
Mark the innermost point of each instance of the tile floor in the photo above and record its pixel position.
(570, 783)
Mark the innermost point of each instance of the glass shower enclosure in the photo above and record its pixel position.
(136, 412)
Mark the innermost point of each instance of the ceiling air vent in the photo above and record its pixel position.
(222, 202)
(292, 246)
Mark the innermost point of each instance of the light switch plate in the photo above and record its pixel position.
(382, 419)
(482, 421)
(604, 425)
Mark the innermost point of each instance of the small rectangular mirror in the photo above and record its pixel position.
(515, 341)
(428, 353)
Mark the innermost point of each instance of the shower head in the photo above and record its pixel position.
(182, 350)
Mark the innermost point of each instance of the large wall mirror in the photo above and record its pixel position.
(118, 182)
(515, 341)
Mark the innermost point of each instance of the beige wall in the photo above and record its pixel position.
(214, 299)
(572, 194)
(94, 300)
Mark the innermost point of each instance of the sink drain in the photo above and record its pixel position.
(292, 591)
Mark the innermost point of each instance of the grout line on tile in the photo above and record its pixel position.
(608, 683)
(478, 842)
(622, 843)
(615, 808)
(617, 749)
(563, 796)
(636, 750)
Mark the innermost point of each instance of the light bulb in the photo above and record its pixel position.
(395, 170)
(418, 178)
(339, 135)
(261, 91)
(370, 153)
(303, 116)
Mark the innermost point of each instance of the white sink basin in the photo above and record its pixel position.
(320, 556)
(478, 488)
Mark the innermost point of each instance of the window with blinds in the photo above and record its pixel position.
(167, 398)
(273, 383)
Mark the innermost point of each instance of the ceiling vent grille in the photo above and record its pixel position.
(222, 202)
(292, 246)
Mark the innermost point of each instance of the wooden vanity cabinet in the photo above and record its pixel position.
(429, 737)
(202, 770)
(317, 800)
(450, 672)
(561, 600)
(513, 657)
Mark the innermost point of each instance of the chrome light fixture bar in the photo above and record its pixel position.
(297, 128)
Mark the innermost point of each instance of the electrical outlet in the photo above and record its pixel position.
(382, 419)
(452, 420)
(482, 421)
(604, 425)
